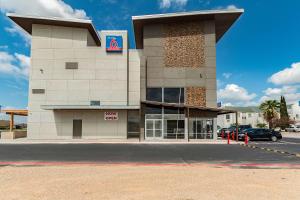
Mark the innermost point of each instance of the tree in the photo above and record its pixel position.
(270, 111)
(261, 125)
(284, 116)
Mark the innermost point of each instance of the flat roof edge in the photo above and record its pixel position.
(49, 18)
(70, 22)
(180, 14)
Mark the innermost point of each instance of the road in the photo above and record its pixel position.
(140, 153)
(290, 145)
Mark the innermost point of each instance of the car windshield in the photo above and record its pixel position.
(246, 130)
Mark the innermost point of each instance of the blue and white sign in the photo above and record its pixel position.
(114, 43)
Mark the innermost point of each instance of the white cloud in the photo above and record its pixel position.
(54, 8)
(281, 91)
(17, 64)
(290, 93)
(290, 75)
(165, 4)
(233, 94)
(231, 7)
(227, 75)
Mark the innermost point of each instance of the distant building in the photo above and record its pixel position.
(294, 112)
(246, 115)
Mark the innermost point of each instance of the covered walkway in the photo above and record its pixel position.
(12, 114)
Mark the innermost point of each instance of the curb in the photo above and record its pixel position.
(271, 150)
(142, 164)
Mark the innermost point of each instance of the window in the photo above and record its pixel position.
(227, 117)
(38, 91)
(154, 94)
(173, 111)
(175, 129)
(71, 65)
(95, 103)
(174, 95)
(153, 110)
(249, 115)
(133, 124)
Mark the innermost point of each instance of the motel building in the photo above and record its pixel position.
(88, 84)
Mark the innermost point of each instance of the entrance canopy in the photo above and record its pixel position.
(191, 111)
(218, 111)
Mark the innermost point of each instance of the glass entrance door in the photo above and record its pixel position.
(153, 128)
(201, 128)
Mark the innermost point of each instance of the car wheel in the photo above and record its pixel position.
(274, 138)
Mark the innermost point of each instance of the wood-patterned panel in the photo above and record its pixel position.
(184, 44)
(196, 96)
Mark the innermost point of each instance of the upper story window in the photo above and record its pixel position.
(167, 95)
(38, 91)
(174, 95)
(227, 116)
(71, 65)
(154, 94)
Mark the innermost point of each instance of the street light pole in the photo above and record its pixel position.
(237, 126)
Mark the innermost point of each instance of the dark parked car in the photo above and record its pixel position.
(232, 129)
(260, 134)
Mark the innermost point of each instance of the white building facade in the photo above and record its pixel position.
(85, 83)
(246, 116)
(294, 112)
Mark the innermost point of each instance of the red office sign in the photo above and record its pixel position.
(111, 116)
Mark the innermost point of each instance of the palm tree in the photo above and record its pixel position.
(270, 110)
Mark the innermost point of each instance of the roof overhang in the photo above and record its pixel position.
(218, 111)
(224, 19)
(26, 22)
(16, 112)
(87, 107)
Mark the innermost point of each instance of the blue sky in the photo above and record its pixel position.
(257, 59)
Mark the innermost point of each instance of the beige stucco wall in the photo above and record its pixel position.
(134, 77)
(101, 76)
(158, 75)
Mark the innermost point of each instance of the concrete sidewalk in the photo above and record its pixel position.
(113, 141)
(290, 135)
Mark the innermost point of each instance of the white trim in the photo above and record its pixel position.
(87, 21)
(84, 21)
(181, 14)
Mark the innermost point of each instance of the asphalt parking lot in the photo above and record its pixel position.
(141, 153)
(290, 145)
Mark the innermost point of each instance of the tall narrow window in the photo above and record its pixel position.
(133, 124)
